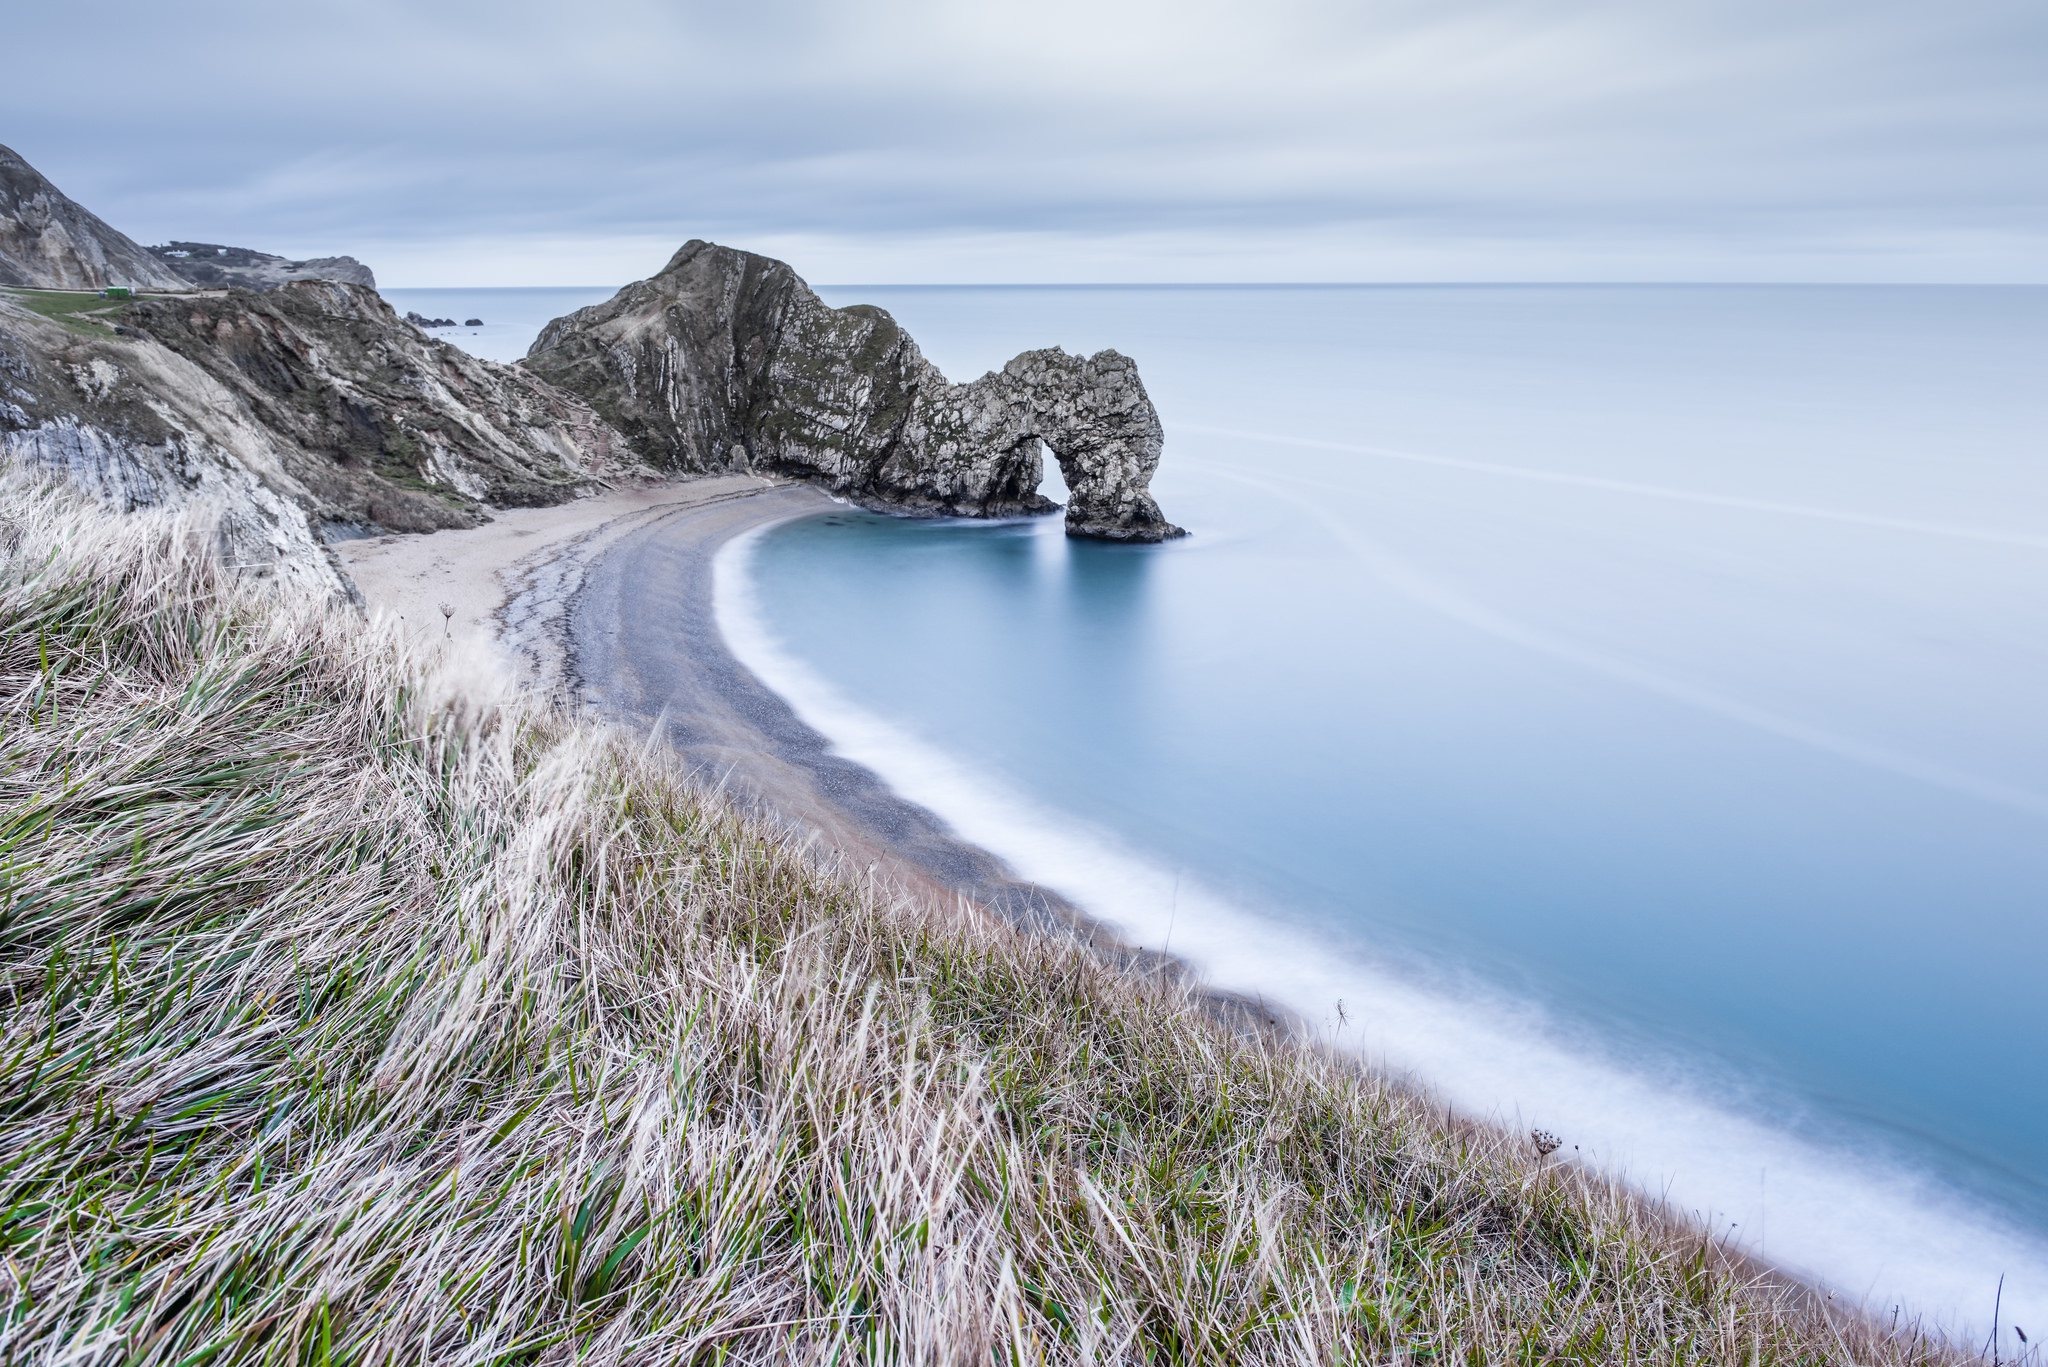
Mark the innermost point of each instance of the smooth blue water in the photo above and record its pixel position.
(1629, 700)
(512, 318)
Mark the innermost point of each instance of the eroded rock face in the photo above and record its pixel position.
(294, 416)
(304, 413)
(382, 428)
(132, 425)
(48, 241)
(727, 360)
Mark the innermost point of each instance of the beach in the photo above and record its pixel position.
(1460, 715)
(502, 589)
(607, 603)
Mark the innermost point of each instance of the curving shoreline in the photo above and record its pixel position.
(609, 604)
(642, 645)
(800, 1065)
(606, 603)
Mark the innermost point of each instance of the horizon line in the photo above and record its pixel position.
(1324, 285)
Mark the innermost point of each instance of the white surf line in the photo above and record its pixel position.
(1623, 486)
(1413, 584)
(1880, 1233)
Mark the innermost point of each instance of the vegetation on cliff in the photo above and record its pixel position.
(311, 409)
(358, 1010)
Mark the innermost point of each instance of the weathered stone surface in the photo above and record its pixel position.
(386, 428)
(727, 360)
(49, 242)
(133, 425)
(307, 412)
(213, 266)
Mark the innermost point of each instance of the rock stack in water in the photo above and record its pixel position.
(727, 360)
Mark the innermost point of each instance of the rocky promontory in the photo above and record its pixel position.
(210, 265)
(50, 241)
(307, 413)
(729, 361)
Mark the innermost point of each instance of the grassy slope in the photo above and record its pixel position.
(84, 313)
(353, 1013)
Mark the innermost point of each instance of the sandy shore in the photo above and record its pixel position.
(505, 587)
(606, 603)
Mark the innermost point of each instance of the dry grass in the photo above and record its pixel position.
(353, 1013)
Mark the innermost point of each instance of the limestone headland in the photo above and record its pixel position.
(728, 361)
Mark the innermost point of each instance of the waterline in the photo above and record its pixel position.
(1874, 1231)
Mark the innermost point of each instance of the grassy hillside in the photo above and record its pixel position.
(356, 1011)
(83, 312)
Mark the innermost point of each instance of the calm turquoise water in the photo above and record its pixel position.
(1628, 701)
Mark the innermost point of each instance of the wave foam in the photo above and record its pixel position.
(1872, 1231)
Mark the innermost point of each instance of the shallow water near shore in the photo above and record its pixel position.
(1624, 702)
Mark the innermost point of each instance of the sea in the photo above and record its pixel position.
(507, 319)
(1621, 709)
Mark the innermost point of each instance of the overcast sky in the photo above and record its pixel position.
(508, 142)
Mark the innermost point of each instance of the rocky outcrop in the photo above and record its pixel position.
(727, 360)
(49, 242)
(133, 425)
(303, 413)
(209, 265)
(381, 427)
(306, 413)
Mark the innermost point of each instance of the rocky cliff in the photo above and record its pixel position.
(386, 428)
(212, 266)
(49, 242)
(306, 413)
(727, 360)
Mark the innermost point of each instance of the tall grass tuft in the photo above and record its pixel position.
(357, 1010)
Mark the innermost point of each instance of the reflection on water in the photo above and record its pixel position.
(1667, 660)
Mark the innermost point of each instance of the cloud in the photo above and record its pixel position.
(1476, 139)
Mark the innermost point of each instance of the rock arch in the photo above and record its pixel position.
(1094, 416)
(727, 360)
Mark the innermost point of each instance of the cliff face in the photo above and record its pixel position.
(727, 360)
(386, 429)
(134, 425)
(305, 413)
(212, 266)
(49, 242)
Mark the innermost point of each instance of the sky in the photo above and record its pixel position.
(953, 141)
